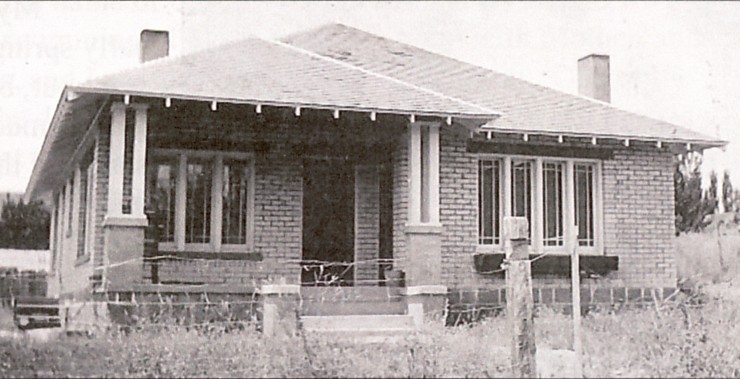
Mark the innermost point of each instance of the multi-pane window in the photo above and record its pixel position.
(489, 202)
(161, 197)
(521, 189)
(552, 175)
(584, 203)
(198, 200)
(70, 205)
(234, 201)
(201, 200)
(548, 192)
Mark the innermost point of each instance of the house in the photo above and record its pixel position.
(333, 155)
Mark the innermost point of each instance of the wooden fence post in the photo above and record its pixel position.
(519, 301)
(575, 275)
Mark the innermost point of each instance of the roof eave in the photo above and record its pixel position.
(703, 143)
(482, 116)
(30, 192)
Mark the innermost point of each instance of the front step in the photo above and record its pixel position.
(366, 308)
(362, 324)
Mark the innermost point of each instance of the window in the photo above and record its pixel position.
(489, 202)
(521, 189)
(198, 200)
(234, 199)
(82, 221)
(69, 206)
(548, 192)
(202, 201)
(553, 204)
(584, 203)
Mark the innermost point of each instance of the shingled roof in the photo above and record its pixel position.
(341, 68)
(526, 107)
(273, 73)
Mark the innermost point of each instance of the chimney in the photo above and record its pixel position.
(154, 44)
(593, 77)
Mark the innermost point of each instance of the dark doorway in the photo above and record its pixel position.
(328, 222)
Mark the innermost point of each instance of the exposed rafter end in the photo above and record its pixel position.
(373, 116)
(214, 106)
(336, 114)
(626, 142)
(525, 137)
(127, 99)
(258, 108)
(449, 120)
(297, 111)
(167, 102)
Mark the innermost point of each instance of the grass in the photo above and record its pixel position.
(698, 257)
(671, 340)
(693, 337)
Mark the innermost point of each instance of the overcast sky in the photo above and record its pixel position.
(679, 62)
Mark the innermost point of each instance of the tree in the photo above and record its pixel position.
(728, 193)
(692, 205)
(24, 226)
(710, 195)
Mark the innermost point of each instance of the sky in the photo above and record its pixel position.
(678, 62)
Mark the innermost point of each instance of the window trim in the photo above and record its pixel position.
(537, 205)
(180, 156)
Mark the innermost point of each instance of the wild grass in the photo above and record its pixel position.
(668, 340)
(692, 336)
(698, 259)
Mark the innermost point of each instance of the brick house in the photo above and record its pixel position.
(334, 155)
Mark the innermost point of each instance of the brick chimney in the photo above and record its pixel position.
(593, 77)
(154, 44)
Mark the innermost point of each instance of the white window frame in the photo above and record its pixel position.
(217, 157)
(89, 210)
(537, 201)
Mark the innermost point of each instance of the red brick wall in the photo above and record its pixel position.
(367, 224)
(638, 216)
(278, 191)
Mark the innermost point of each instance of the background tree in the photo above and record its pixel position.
(24, 226)
(692, 204)
(711, 202)
(728, 193)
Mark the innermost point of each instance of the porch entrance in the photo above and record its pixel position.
(328, 222)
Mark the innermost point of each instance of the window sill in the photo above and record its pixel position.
(549, 265)
(82, 260)
(223, 256)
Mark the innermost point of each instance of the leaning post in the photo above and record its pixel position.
(519, 301)
(575, 276)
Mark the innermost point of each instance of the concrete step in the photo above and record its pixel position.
(359, 293)
(346, 308)
(362, 324)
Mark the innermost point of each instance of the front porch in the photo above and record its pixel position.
(238, 195)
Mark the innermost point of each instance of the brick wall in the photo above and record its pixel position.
(367, 224)
(638, 215)
(400, 188)
(279, 141)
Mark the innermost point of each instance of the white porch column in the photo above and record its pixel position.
(423, 228)
(414, 174)
(432, 166)
(116, 160)
(139, 161)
